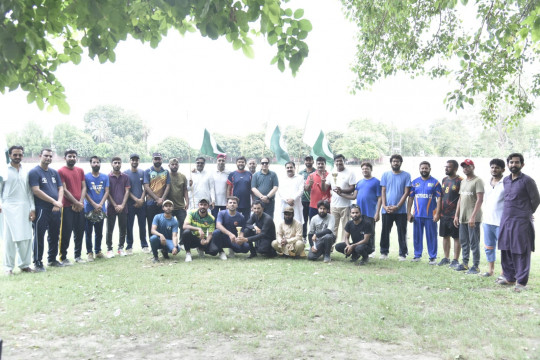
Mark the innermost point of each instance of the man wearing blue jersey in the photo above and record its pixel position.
(425, 194)
(164, 232)
(395, 187)
(239, 185)
(229, 231)
(48, 195)
(97, 185)
(367, 194)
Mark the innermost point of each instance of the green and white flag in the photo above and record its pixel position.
(275, 143)
(321, 148)
(209, 146)
(4, 158)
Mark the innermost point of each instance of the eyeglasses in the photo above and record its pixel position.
(157, 158)
(264, 163)
(199, 163)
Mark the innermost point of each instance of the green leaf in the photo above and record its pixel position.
(31, 97)
(288, 12)
(63, 107)
(248, 51)
(237, 44)
(298, 13)
(305, 25)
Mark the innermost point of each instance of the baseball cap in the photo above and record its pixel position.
(167, 202)
(222, 156)
(134, 156)
(288, 209)
(204, 200)
(467, 162)
(156, 154)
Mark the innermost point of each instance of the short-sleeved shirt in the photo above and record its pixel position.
(450, 196)
(344, 179)
(241, 187)
(231, 222)
(166, 226)
(368, 193)
(157, 181)
(357, 231)
(425, 192)
(468, 195)
(177, 191)
(95, 188)
(316, 193)
(136, 179)
(395, 185)
(207, 223)
(72, 181)
(305, 173)
(264, 182)
(493, 203)
(48, 181)
(117, 190)
(220, 187)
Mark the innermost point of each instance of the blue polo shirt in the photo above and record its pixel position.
(231, 222)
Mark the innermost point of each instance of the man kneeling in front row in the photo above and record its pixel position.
(164, 232)
(259, 232)
(289, 236)
(321, 236)
(360, 229)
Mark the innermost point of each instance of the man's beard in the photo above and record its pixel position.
(323, 215)
(289, 221)
(96, 168)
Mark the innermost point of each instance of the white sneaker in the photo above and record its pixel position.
(188, 257)
(129, 252)
(121, 252)
(383, 257)
(231, 253)
(372, 255)
(146, 250)
(222, 255)
(201, 252)
(80, 260)
(402, 258)
(110, 254)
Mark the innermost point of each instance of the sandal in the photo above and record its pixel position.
(519, 288)
(505, 282)
(486, 274)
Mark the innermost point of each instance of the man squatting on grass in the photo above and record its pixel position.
(164, 232)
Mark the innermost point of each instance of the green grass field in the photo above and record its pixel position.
(266, 308)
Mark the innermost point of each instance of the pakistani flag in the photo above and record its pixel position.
(276, 145)
(4, 160)
(321, 148)
(209, 146)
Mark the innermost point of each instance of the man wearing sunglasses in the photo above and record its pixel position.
(264, 186)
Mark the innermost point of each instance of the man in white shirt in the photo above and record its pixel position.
(493, 209)
(17, 212)
(290, 191)
(201, 185)
(220, 185)
(342, 181)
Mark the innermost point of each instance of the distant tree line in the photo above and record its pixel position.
(111, 131)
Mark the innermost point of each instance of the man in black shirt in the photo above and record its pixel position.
(260, 231)
(360, 229)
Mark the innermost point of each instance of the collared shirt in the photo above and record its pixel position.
(117, 189)
(292, 188)
(241, 187)
(136, 180)
(206, 223)
(220, 187)
(202, 188)
(292, 232)
(316, 193)
(493, 203)
(265, 223)
(16, 188)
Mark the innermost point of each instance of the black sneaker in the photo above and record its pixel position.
(66, 262)
(155, 260)
(38, 267)
(55, 263)
(363, 261)
(462, 267)
(165, 253)
(454, 264)
(443, 262)
(251, 256)
(474, 270)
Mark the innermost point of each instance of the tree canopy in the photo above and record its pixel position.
(38, 36)
(494, 58)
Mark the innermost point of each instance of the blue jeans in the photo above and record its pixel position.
(491, 235)
(141, 222)
(90, 226)
(155, 243)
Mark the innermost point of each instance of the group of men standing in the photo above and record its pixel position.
(216, 210)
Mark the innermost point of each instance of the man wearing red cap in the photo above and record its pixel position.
(468, 217)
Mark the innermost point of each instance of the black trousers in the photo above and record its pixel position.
(191, 241)
(305, 214)
(388, 221)
(122, 226)
(262, 246)
(360, 251)
(72, 223)
(151, 211)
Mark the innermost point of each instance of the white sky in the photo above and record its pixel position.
(193, 82)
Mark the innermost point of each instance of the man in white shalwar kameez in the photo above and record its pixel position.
(17, 212)
(290, 191)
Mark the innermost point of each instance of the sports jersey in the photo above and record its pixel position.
(157, 181)
(450, 196)
(241, 187)
(231, 222)
(206, 223)
(368, 192)
(95, 189)
(425, 193)
(165, 226)
(48, 181)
